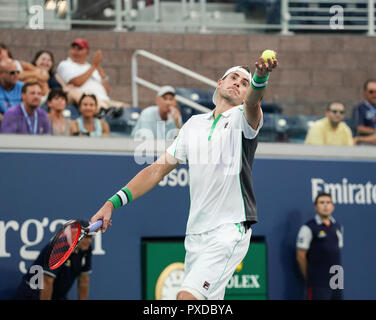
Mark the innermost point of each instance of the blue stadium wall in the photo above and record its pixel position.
(37, 189)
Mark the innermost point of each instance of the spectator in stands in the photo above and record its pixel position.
(6, 54)
(27, 72)
(44, 60)
(58, 282)
(371, 139)
(57, 102)
(331, 130)
(87, 124)
(75, 70)
(27, 117)
(364, 115)
(318, 248)
(162, 121)
(10, 86)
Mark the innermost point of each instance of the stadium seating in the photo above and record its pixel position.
(121, 120)
(298, 126)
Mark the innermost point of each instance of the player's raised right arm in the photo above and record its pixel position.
(143, 182)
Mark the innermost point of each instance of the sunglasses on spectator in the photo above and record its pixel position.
(337, 111)
(371, 91)
(12, 73)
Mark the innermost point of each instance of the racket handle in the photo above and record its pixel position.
(95, 226)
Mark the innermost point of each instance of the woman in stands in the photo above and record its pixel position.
(88, 124)
(57, 102)
(45, 60)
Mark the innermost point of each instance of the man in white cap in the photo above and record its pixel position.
(161, 121)
(219, 148)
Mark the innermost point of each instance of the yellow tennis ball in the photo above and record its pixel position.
(268, 54)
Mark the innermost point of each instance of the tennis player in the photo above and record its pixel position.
(219, 147)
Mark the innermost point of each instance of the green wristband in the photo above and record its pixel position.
(257, 79)
(115, 199)
(121, 198)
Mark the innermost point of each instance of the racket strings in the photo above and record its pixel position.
(63, 244)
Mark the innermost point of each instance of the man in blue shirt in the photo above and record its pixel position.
(319, 245)
(364, 115)
(10, 86)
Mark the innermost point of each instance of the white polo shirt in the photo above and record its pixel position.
(69, 70)
(220, 154)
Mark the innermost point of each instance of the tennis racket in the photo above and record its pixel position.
(66, 240)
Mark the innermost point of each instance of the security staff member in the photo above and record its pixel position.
(319, 246)
(58, 282)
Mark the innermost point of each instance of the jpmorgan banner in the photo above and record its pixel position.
(38, 191)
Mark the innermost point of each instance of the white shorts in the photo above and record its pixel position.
(212, 257)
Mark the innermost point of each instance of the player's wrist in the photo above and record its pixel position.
(121, 198)
(259, 81)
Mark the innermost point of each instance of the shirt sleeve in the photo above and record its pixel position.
(249, 132)
(178, 149)
(340, 236)
(66, 72)
(304, 238)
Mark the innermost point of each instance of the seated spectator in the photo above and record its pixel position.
(27, 72)
(87, 124)
(364, 115)
(371, 139)
(75, 70)
(57, 102)
(10, 86)
(331, 130)
(27, 117)
(6, 54)
(44, 60)
(162, 121)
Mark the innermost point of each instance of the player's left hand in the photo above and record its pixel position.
(263, 68)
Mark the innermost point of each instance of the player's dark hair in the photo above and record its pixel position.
(322, 194)
(246, 68)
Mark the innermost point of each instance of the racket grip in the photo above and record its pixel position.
(95, 226)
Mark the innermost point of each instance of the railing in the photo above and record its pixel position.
(199, 16)
(348, 15)
(136, 80)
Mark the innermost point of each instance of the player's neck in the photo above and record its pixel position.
(222, 106)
